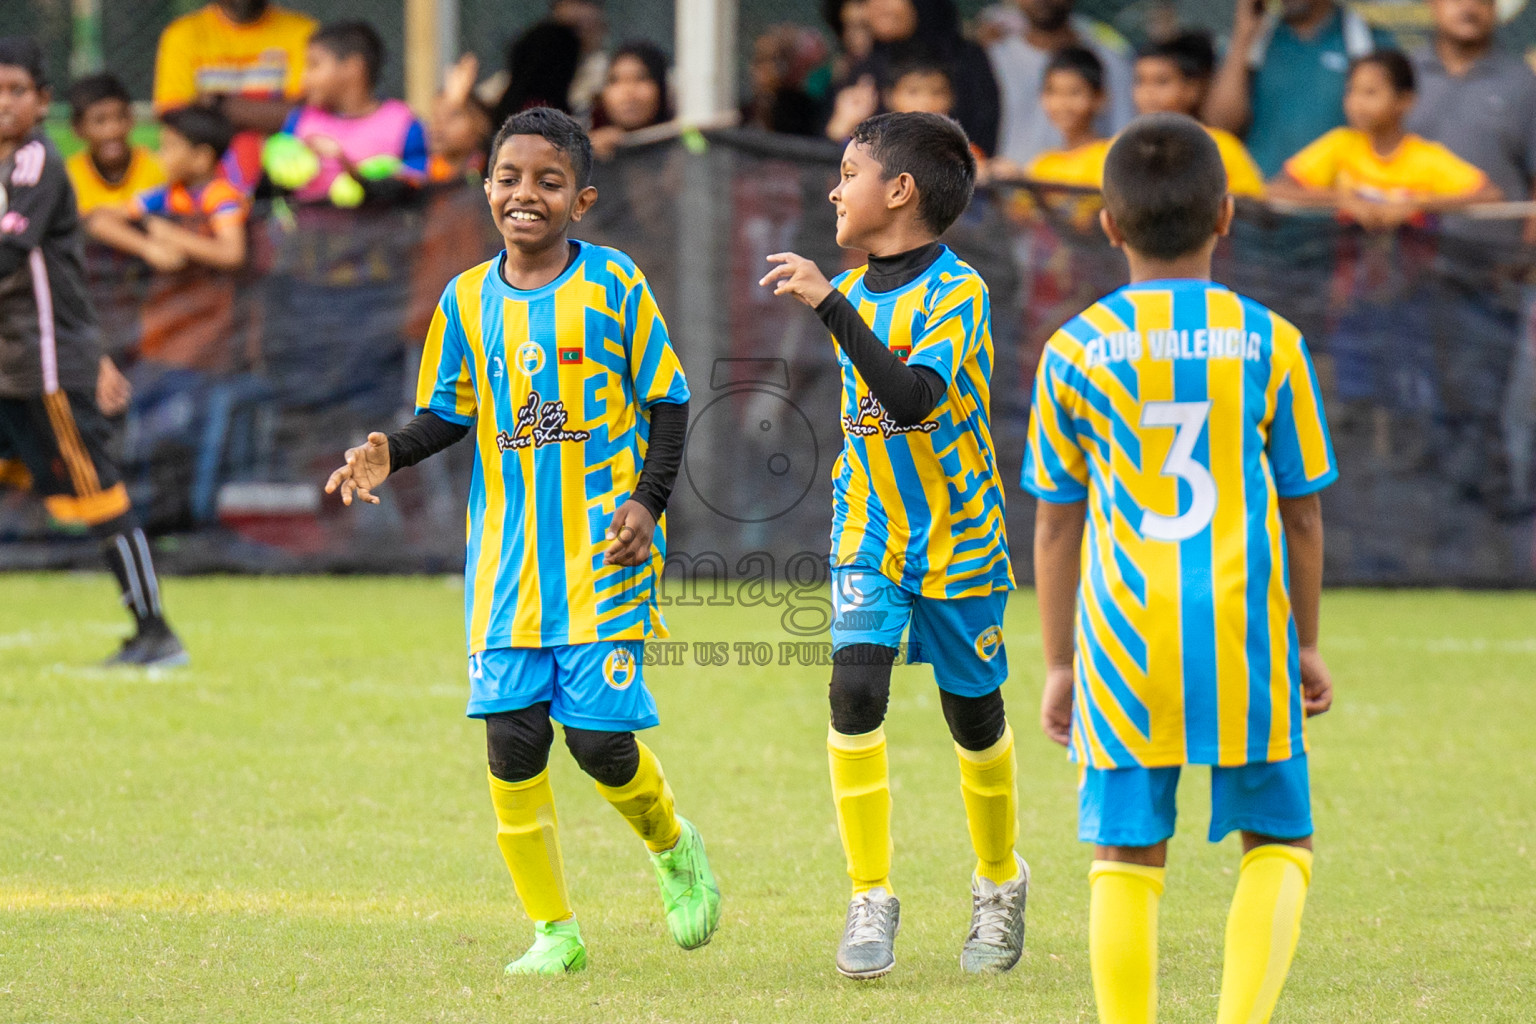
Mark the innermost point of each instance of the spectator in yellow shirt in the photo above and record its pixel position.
(1173, 77)
(1376, 172)
(1072, 97)
(110, 170)
(245, 58)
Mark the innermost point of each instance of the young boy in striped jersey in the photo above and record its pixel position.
(1180, 425)
(56, 387)
(555, 357)
(917, 527)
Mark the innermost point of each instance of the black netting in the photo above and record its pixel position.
(1423, 343)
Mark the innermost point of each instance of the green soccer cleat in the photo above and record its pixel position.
(689, 895)
(557, 949)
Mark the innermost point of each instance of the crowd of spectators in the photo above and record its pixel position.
(260, 105)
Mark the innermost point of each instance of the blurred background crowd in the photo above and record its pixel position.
(271, 225)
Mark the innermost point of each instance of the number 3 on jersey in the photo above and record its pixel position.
(1189, 420)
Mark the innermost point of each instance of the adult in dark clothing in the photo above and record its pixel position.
(932, 27)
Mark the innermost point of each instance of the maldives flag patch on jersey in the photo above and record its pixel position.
(902, 351)
(570, 356)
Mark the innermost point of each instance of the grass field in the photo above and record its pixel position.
(297, 827)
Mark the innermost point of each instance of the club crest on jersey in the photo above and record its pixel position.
(989, 643)
(530, 357)
(620, 668)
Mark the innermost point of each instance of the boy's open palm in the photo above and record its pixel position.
(367, 467)
(797, 276)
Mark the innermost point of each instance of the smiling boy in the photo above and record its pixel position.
(917, 527)
(555, 356)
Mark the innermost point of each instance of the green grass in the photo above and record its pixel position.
(297, 827)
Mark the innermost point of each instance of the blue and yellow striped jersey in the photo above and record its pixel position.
(556, 382)
(923, 505)
(1181, 412)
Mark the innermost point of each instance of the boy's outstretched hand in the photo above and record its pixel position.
(1316, 683)
(799, 277)
(1056, 704)
(367, 467)
(629, 535)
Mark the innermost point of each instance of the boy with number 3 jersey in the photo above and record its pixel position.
(1180, 424)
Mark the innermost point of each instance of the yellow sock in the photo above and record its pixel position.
(988, 784)
(1122, 940)
(646, 803)
(1262, 929)
(529, 837)
(861, 791)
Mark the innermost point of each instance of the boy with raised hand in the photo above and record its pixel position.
(555, 356)
(1181, 424)
(56, 387)
(917, 526)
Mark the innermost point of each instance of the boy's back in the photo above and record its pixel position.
(1181, 412)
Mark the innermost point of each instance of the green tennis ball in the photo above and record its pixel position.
(377, 168)
(346, 192)
(288, 162)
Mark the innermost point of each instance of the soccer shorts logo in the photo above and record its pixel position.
(989, 643)
(530, 356)
(619, 668)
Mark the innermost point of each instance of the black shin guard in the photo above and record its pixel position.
(517, 742)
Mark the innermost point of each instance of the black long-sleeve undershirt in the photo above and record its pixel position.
(909, 394)
(429, 433)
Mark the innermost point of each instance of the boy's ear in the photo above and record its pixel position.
(1224, 220)
(584, 200)
(1111, 229)
(900, 191)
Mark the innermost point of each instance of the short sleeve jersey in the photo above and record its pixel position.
(923, 504)
(1344, 160)
(556, 384)
(92, 191)
(1181, 413)
(206, 53)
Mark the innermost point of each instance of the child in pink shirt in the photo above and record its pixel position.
(342, 120)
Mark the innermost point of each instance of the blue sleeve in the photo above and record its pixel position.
(292, 120)
(415, 153)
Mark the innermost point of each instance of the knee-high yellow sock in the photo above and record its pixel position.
(861, 790)
(646, 803)
(1262, 930)
(529, 837)
(1122, 940)
(988, 782)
